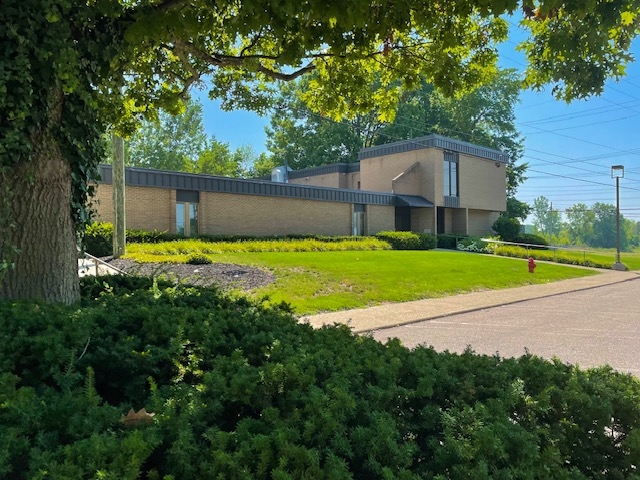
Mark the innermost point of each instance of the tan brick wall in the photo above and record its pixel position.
(480, 222)
(352, 180)
(423, 219)
(482, 184)
(103, 202)
(147, 208)
(459, 221)
(223, 213)
(380, 218)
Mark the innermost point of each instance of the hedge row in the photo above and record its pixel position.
(241, 391)
(548, 255)
(98, 238)
(408, 240)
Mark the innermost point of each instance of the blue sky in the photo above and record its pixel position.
(570, 148)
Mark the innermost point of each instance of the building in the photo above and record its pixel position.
(431, 184)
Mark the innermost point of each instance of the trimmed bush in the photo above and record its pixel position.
(449, 241)
(530, 239)
(198, 259)
(407, 240)
(98, 239)
(550, 256)
(239, 390)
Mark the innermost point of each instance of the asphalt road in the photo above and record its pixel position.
(591, 327)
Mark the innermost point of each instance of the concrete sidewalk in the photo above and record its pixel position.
(395, 314)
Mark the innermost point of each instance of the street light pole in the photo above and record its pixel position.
(617, 172)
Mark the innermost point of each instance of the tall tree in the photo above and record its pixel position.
(179, 143)
(169, 142)
(301, 138)
(68, 68)
(485, 116)
(580, 221)
(604, 226)
(547, 220)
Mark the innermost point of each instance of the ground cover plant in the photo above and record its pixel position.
(182, 247)
(329, 281)
(237, 390)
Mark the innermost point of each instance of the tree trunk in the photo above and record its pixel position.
(46, 267)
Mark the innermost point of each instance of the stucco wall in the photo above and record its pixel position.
(480, 222)
(482, 184)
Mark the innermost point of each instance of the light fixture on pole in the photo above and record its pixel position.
(617, 172)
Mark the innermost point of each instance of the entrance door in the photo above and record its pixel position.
(403, 219)
(441, 223)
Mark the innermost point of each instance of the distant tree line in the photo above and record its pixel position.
(593, 226)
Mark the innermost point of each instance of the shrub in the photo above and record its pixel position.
(530, 239)
(198, 259)
(507, 227)
(449, 241)
(98, 239)
(550, 255)
(197, 246)
(245, 391)
(407, 240)
(473, 244)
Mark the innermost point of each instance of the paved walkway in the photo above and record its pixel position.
(395, 314)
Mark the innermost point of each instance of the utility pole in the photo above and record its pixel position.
(117, 181)
(617, 172)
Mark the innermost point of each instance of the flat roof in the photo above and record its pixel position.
(146, 177)
(433, 141)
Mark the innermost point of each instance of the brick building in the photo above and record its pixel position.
(430, 184)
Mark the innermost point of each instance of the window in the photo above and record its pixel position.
(359, 219)
(187, 213)
(450, 174)
(187, 219)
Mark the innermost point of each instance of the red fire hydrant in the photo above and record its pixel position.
(532, 265)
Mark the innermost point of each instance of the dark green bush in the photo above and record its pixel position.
(530, 239)
(240, 390)
(407, 240)
(98, 239)
(198, 259)
(449, 241)
(508, 228)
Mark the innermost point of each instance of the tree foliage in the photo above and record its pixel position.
(593, 226)
(547, 221)
(484, 116)
(179, 143)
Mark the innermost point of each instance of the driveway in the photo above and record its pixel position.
(590, 327)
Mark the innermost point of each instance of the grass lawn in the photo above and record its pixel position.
(327, 281)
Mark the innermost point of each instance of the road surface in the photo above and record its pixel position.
(590, 328)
